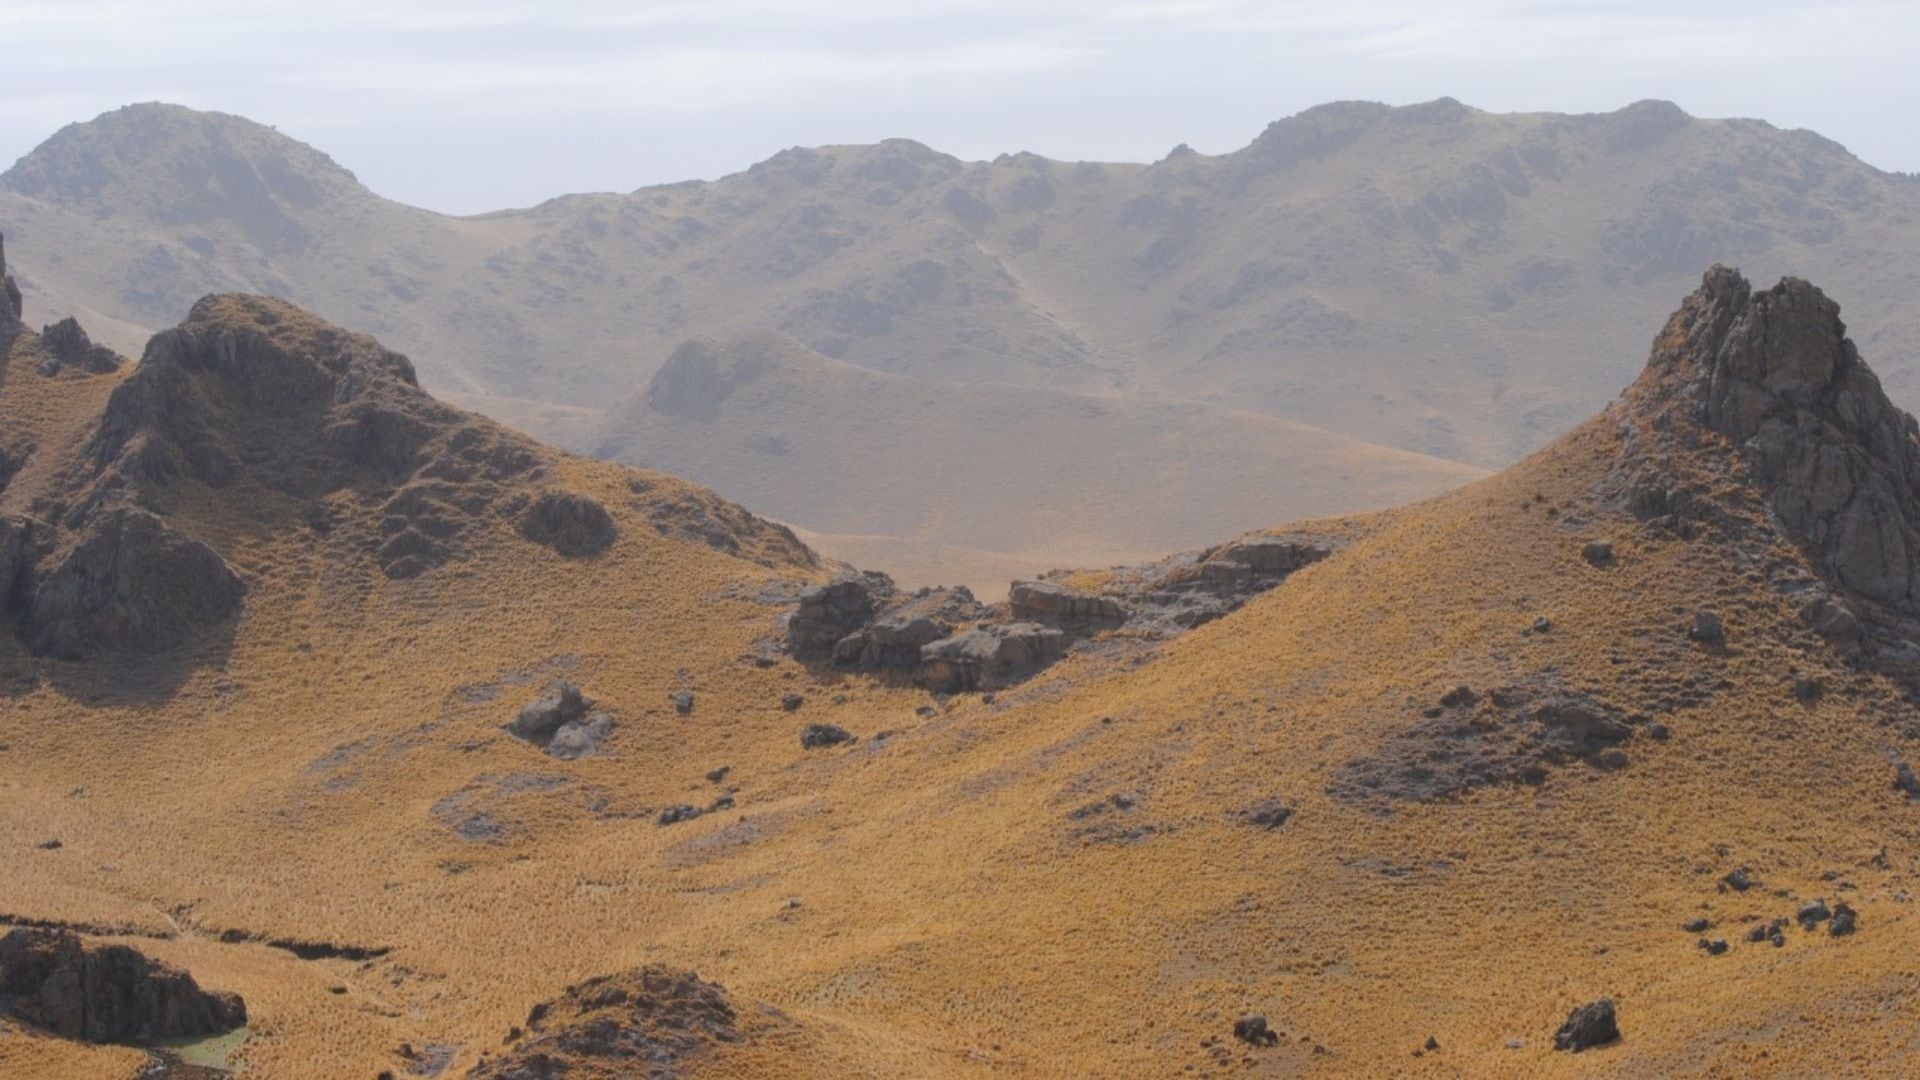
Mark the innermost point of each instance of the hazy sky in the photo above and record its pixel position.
(467, 105)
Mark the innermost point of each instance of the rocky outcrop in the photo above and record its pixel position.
(129, 582)
(1838, 465)
(950, 642)
(573, 525)
(105, 993)
(992, 656)
(70, 349)
(653, 1021)
(1054, 604)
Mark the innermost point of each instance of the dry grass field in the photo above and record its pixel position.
(958, 892)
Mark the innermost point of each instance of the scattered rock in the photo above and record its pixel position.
(1707, 628)
(1253, 1031)
(1845, 920)
(1269, 815)
(674, 815)
(1458, 697)
(106, 993)
(573, 525)
(1713, 946)
(1812, 914)
(1696, 925)
(819, 736)
(1774, 931)
(1598, 552)
(714, 776)
(1432, 1044)
(1588, 1026)
(1658, 732)
(792, 702)
(682, 701)
(1807, 690)
(1739, 879)
(1904, 780)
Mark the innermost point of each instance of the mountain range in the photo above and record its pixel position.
(1455, 285)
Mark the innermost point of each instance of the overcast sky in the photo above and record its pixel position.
(469, 105)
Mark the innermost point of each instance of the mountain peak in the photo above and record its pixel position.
(178, 166)
(1774, 372)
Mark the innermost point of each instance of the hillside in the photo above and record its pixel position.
(1432, 278)
(1488, 758)
(1054, 476)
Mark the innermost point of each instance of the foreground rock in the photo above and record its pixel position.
(650, 1022)
(1588, 1026)
(570, 524)
(106, 993)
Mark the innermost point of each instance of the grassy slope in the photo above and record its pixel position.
(952, 918)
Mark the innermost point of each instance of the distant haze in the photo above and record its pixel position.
(471, 105)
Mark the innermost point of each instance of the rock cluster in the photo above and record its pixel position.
(128, 582)
(70, 349)
(1590, 1025)
(563, 722)
(950, 642)
(105, 993)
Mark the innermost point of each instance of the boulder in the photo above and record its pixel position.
(106, 993)
(130, 583)
(1588, 1026)
(989, 657)
(573, 525)
(820, 736)
(828, 613)
(1253, 1031)
(563, 723)
(650, 1022)
(1053, 604)
(899, 628)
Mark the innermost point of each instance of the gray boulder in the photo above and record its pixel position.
(563, 723)
(1054, 604)
(828, 613)
(989, 657)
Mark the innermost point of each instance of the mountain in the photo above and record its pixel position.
(447, 753)
(1049, 474)
(1431, 278)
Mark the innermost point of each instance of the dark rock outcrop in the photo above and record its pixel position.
(70, 348)
(1054, 604)
(827, 613)
(1839, 466)
(570, 524)
(105, 993)
(1590, 1025)
(649, 1022)
(130, 582)
(902, 626)
(10, 305)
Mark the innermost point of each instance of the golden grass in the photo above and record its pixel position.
(951, 918)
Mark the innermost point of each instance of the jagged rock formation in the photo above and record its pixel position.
(562, 722)
(1837, 463)
(105, 993)
(653, 1021)
(72, 349)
